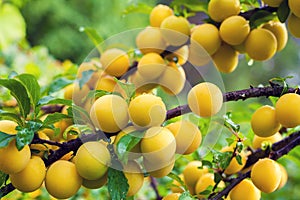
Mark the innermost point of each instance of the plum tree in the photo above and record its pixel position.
(146, 112)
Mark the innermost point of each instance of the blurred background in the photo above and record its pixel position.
(46, 38)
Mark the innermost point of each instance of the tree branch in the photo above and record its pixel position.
(252, 92)
(153, 184)
(278, 150)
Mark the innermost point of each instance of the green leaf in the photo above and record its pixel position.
(99, 93)
(86, 75)
(32, 86)
(47, 100)
(186, 196)
(230, 141)
(128, 88)
(54, 117)
(94, 36)
(239, 159)
(283, 11)
(11, 116)
(58, 84)
(206, 163)
(137, 8)
(281, 82)
(3, 178)
(24, 137)
(117, 184)
(5, 139)
(81, 116)
(217, 178)
(126, 143)
(231, 124)
(25, 134)
(222, 159)
(19, 92)
(178, 179)
(239, 147)
(260, 17)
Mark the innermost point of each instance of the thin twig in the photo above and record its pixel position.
(153, 184)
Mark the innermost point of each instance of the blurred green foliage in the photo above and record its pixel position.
(56, 24)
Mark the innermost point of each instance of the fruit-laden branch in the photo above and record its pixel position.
(277, 150)
(252, 92)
